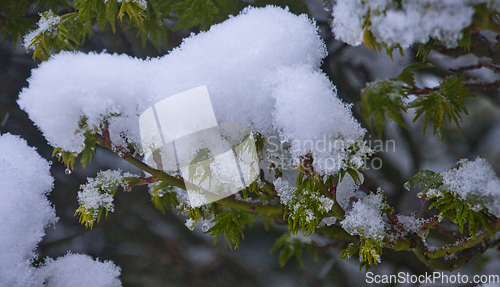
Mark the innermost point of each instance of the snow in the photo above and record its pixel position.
(261, 68)
(99, 191)
(475, 182)
(413, 22)
(346, 189)
(78, 270)
(328, 221)
(410, 224)
(24, 209)
(284, 191)
(365, 217)
(48, 23)
(190, 223)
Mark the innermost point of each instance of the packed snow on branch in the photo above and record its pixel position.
(99, 192)
(365, 217)
(475, 182)
(25, 211)
(261, 68)
(406, 23)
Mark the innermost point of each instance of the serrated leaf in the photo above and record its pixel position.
(292, 246)
(349, 251)
(231, 223)
(381, 99)
(407, 76)
(89, 148)
(448, 100)
(429, 179)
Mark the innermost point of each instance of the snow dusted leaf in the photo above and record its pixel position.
(466, 193)
(97, 195)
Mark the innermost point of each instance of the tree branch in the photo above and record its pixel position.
(479, 65)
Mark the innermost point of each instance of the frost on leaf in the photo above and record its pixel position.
(47, 24)
(97, 195)
(304, 204)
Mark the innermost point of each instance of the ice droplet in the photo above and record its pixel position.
(407, 186)
(205, 226)
(161, 193)
(58, 154)
(67, 171)
(328, 5)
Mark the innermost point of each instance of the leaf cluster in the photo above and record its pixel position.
(450, 204)
(89, 216)
(163, 196)
(152, 21)
(293, 245)
(231, 223)
(369, 252)
(306, 209)
(18, 16)
(390, 98)
(447, 100)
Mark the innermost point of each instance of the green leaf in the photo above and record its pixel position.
(429, 179)
(293, 245)
(89, 148)
(459, 211)
(349, 251)
(448, 100)
(163, 196)
(66, 157)
(369, 252)
(407, 76)
(204, 13)
(425, 49)
(231, 223)
(381, 99)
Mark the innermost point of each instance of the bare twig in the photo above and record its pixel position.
(479, 65)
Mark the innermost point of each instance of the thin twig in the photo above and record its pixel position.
(479, 65)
